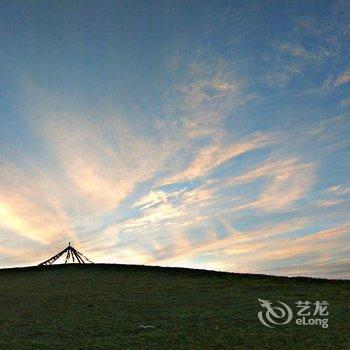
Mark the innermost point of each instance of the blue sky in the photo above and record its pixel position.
(200, 134)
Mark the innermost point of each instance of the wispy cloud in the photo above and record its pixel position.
(339, 190)
(236, 243)
(29, 206)
(161, 208)
(151, 199)
(335, 81)
(343, 78)
(212, 156)
(205, 95)
(289, 181)
(103, 159)
(255, 252)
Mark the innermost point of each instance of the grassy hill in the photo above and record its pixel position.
(105, 306)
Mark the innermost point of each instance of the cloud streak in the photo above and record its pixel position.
(210, 157)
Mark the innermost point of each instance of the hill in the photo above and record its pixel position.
(138, 307)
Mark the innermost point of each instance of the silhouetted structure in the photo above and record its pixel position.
(72, 254)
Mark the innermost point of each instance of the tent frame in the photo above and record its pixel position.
(70, 252)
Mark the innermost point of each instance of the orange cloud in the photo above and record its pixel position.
(28, 206)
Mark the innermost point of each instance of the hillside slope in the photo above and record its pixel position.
(110, 306)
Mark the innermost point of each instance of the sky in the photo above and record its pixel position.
(202, 134)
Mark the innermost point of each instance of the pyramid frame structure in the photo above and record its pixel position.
(71, 253)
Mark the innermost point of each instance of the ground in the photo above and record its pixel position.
(105, 306)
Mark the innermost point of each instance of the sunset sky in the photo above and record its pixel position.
(204, 134)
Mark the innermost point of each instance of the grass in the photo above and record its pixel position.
(103, 306)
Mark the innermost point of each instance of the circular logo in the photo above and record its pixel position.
(274, 315)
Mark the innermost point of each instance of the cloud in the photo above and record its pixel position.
(10, 256)
(338, 190)
(102, 160)
(343, 78)
(333, 195)
(104, 175)
(295, 50)
(334, 82)
(307, 50)
(329, 202)
(209, 102)
(289, 181)
(235, 243)
(254, 251)
(153, 198)
(29, 205)
(291, 58)
(178, 208)
(204, 95)
(214, 155)
(320, 242)
(331, 268)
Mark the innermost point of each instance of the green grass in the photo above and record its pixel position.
(103, 307)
